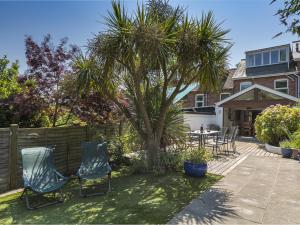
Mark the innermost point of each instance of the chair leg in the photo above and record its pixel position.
(234, 147)
(81, 189)
(22, 195)
(27, 200)
(109, 180)
(31, 207)
(226, 147)
(61, 196)
(83, 193)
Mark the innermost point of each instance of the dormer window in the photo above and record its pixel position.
(258, 61)
(250, 61)
(282, 53)
(267, 57)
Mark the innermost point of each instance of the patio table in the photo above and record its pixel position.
(202, 135)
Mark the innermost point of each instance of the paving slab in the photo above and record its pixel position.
(260, 190)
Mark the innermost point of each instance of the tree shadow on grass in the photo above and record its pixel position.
(134, 199)
(212, 207)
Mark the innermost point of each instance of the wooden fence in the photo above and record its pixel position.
(67, 152)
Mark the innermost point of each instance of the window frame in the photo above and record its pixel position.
(196, 100)
(261, 60)
(286, 55)
(247, 62)
(244, 83)
(278, 89)
(269, 58)
(226, 93)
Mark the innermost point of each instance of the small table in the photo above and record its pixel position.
(202, 135)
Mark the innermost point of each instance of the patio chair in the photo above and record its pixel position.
(192, 140)
(40, 176)
(94, 166)
(223, 133)
(217, 143)
(231, 138)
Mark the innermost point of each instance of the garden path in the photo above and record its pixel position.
(259, 188)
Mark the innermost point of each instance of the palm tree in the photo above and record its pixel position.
(155, 49)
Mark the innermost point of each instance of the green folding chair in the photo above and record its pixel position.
(94, 166)
(40, 176)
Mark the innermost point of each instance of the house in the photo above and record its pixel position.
(265, 77)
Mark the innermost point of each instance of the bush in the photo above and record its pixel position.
(198, 155)
(272, 124)
(170, 161)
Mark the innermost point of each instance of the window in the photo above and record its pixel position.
(245, 85)
(224, 95)
(274, 57)
(266, 58)
(282, 53)
(199, 101)
(250, 61)
(282, 85)
(258, 59)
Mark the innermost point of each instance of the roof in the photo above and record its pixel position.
(182, 94)
(269, 48)
(229, 81)
(292, 98)
(240, 70)
(206, 110)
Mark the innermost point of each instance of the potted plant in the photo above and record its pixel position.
(286, 148)
(296, 144)
(291, 147)
(195, 163)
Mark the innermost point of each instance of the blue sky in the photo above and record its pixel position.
(252, 22)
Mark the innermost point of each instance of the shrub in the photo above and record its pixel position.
(170, 161)
(272, 124)
(198, 155)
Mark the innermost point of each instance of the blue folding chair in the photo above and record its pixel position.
(40, 176)
(94, 166)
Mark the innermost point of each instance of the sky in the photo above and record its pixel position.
(252, 23)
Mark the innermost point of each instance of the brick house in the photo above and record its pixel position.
(265, 77)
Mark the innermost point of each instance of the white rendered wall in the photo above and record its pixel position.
(219, 116)
(195, 120)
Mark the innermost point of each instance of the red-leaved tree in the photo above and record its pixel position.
(47, 66)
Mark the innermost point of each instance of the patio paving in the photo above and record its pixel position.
(262, 189)
(225, 163)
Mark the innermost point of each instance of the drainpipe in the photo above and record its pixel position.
(298, 85)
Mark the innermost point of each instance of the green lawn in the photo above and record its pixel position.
(134, 199)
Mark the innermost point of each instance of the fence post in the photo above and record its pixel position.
(87, 130)
(13, 155)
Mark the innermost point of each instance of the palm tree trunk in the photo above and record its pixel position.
(153, 153)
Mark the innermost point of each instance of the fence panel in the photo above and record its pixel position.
(67, 151)
(4, 159)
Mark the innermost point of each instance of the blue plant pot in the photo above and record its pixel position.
(195, 169)
(286, 152)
